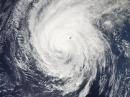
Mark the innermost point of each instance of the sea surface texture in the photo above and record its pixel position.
(64, 48)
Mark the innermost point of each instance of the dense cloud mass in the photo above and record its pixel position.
(64, 48)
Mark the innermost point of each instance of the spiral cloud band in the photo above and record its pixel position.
(64, 38)
(73, 44)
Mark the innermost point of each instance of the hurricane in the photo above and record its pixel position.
(65, 48)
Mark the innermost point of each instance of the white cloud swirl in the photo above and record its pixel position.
(68, 45)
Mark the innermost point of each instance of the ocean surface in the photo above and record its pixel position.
(64, 48)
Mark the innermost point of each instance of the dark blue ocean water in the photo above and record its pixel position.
(16, 82)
